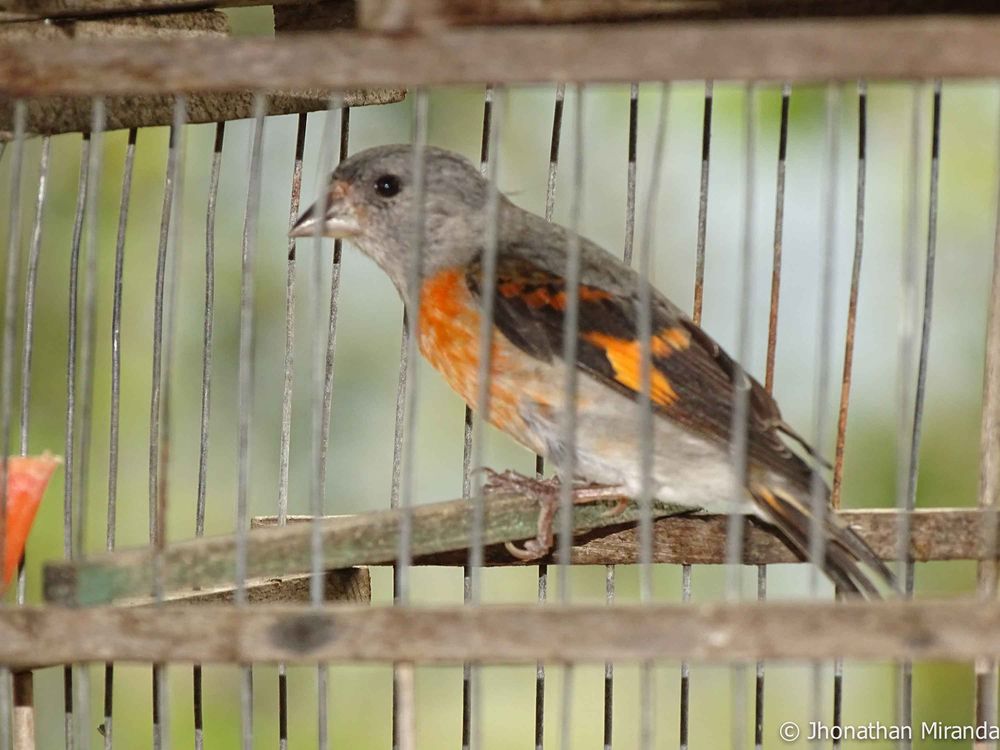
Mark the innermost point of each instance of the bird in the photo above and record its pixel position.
(371, 201)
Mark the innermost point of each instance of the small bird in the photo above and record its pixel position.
(371, 203)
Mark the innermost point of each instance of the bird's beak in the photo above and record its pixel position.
(340, 218)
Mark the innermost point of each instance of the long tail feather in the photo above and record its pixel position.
(847, 555)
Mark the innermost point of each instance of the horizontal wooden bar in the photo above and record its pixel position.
(836, 49)
(396, 15)
(89, 8)
(884, 631)
(353, 585)
(61, 114)
(700, 539)
(368, 538)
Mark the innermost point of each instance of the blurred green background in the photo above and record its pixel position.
(367, 367)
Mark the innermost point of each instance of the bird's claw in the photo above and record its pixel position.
(541, 545)
(548, 492)
(511, 481)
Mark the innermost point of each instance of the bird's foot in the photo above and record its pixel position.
(514, 482)
(548, 492)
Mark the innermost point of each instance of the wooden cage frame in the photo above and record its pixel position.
(418, 43)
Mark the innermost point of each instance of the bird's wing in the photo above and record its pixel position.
(692, 378)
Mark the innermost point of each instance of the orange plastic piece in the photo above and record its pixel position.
(27, 478)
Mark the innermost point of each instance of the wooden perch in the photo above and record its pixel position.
(700, 539)
(339, 585)
(441, 534)
(369, 538)
(959, 630)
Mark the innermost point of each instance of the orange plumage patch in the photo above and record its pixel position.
(626, 360)
(546, 291)
(27, 477)
(669, 340)
(449, 338)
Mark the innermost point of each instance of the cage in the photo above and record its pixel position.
(274, 527)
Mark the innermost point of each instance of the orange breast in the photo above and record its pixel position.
(449, 338)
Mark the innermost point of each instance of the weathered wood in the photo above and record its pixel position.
(318, 16)
(700, 539)
(954, 630)
(842, 49)
(60, 114)
(23, 713)
(340, 585)
(350, 585)
(87, 8)
(369, 538)
(398, 15)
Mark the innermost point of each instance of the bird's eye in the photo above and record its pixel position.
(387, 185)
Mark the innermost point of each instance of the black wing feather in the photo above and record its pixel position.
(529, 311)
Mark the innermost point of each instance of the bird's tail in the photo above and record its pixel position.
(847, 555)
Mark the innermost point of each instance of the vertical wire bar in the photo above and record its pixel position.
(114, 420)
(286, 392)
(543, 570)
(88, 329)
(69, 456)
(317, 494)
(685, 718)
(906, 344)
(913, 449)
(738, 431)
(284, 447)
(609, 667)
(824, 336)
(10, 310)
(467, 436)
(206, 393)
(157, 498)
(557, 117)
(779, 229)
(7, 370)
(699, 286)
(845, 383)
(30, 286)
(647, 433)
(23, 720)
(247, 344)
(706, 152)
(246, 395)
(738, 448)
(824, 333)
(403, 724)
(852, 305)
(414, 281)
(484, 374)
(989, 486)
(609, 570)
(86, 393)
(568, 417)
(322, 671)
(6, 702)
(772, 344)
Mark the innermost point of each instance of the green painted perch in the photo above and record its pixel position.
(363, 539)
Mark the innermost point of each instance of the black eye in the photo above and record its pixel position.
(387, 185)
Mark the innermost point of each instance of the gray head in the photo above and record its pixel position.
(371, 202)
